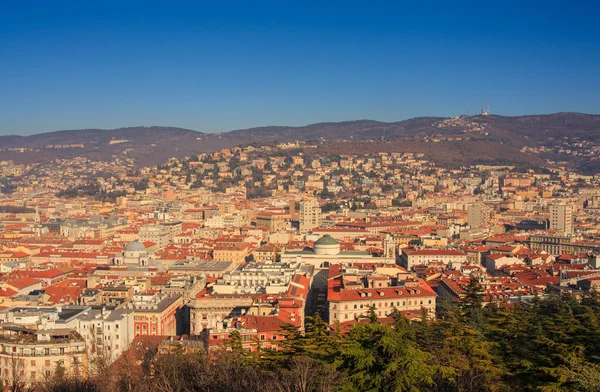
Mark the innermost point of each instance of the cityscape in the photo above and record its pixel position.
(440, 249)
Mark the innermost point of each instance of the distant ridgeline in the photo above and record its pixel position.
(528, 141)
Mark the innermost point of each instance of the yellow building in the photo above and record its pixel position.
(232, 252)
(29, 355)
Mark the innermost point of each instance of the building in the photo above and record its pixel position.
(212, 310)
(557, 244)
(155, 314)
(135, 253)
(273, 221)
(352, 293)
(159, 234)
(107, 332)
(176, 344)
(259, 278)
(327, 250)
(479, 215)
(29, 355)
(309, 215)
(561, 218)
(236, 252)
(411, 257)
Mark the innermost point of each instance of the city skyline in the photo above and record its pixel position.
(220, 68)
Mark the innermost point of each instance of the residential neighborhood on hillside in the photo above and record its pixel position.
(250, 239)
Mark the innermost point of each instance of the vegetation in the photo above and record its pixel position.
(91, 190)
(550, 344)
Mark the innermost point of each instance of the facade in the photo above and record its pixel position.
(327, 250)
(155, 314)
(253, 331)
(30, 355)
(352, 293)
(411, 257)
(273, 221)
(479, 215)
(159, 234)
(557, 244)
(107, 332)
(309, 215)
(561, 218)
(236, 253)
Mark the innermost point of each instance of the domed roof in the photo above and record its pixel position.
(135, 246)
(327, 240)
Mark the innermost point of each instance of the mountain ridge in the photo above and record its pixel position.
(150, 145)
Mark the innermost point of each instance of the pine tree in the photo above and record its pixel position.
(474, 295)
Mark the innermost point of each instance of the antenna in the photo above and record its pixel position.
(487, 110)
(468, 111)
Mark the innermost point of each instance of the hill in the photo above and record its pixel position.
(444, 140)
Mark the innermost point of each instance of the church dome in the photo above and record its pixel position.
(327, 240)
(327, 245)
(135, 246)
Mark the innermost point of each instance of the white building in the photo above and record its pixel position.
(326, 251)
(107, 332)
(412, 257)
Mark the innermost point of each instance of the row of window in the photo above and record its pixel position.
(385, 304)
(35, 351)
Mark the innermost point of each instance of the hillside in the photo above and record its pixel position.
(445, 140)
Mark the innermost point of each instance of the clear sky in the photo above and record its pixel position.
(218, 65)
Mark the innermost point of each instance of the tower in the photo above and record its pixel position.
(478, 215)
(485, 111)
(389, 249)
(309, 215)
(561, 218)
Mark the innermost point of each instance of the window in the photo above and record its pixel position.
(262, 337)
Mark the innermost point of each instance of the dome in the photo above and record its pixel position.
(327, 245)
(327, 240)
(135, 246)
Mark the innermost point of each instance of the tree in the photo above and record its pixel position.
(376, 358)
(474, 295)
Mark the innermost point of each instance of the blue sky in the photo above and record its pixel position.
(218, 66)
